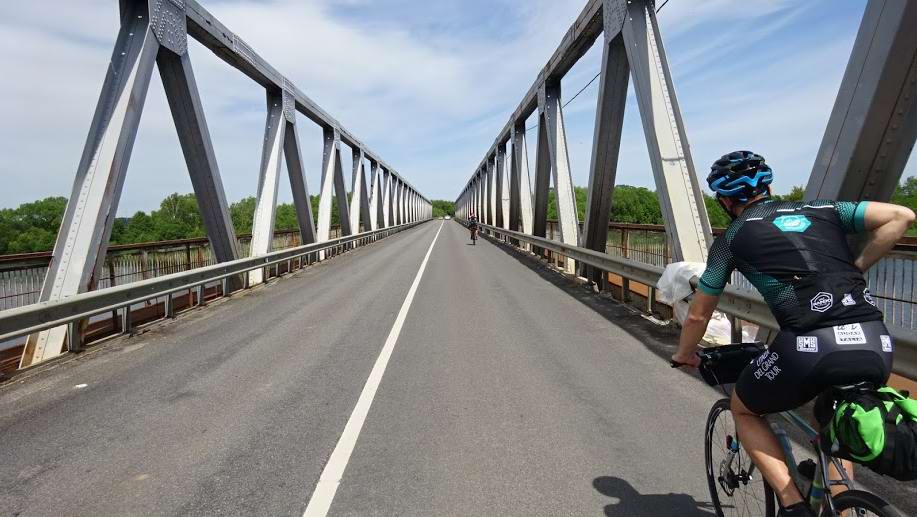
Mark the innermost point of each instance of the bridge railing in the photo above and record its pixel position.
(22, 275)
(893, 280)
(739, 302)
(154, 35)
(96, 314)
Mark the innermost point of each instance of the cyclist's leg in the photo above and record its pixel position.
(778, 380)
(793, 371)
(762, 447)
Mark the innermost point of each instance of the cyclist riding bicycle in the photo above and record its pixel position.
(796, 255)
(473, 225)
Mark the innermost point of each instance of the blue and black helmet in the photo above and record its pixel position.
(740, 175)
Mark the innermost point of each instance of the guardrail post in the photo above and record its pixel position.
(169, 307)
(735, 329)
(74, 336)
(126, 324)
(201, 290)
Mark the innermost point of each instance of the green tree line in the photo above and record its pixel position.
(33, 226)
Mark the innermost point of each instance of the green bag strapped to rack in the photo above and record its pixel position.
(876, 428)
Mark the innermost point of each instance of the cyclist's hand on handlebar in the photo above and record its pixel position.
(679, 360)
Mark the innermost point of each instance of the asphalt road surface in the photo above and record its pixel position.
(506, 390)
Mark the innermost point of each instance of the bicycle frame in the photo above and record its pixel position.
(817, 495)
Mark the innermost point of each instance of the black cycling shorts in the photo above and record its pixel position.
(797, 367)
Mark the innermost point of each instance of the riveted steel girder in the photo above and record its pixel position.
(873, 126)
(502, 168)
(683, 209)
(606, 143)
(359, 202)
(375, 195)
(266, 198)
(93, 203)
(521, 189)
(298, 185)
(551, 127)
(193, 135)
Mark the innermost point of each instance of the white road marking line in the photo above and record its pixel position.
(331, 476)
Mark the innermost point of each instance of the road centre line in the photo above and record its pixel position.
(328, 482)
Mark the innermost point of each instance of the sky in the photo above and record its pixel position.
(425, 84)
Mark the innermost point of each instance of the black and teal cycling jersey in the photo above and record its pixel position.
(796, 255)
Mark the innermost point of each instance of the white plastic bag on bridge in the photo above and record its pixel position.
(675, 285)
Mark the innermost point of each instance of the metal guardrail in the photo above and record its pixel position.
(69, 311)
(744, 304)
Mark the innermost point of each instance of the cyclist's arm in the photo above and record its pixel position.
(694, 326)
(720, 265)
(885, 224)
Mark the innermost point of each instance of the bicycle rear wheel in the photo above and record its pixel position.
(737, 488)
(863, 504)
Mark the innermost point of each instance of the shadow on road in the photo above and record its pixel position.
(633, 503)
(662, 341)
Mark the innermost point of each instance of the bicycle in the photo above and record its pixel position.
(733, 479)
(474, 235)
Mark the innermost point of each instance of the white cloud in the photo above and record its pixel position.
(395, 90)
(428, 90)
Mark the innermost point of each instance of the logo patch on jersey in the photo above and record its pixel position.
(886, 343)
(792, 223)
(851, 334)
(806, 344)
(868, 297)
(821, 302)
(848, 300)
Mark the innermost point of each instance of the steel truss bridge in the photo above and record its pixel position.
(394, 368)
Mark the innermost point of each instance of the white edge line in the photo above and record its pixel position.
(328, 483)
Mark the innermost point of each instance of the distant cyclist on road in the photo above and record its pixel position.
(473, 226)
(796, 255)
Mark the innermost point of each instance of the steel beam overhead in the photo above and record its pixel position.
(359, 204)
(549, 106)
(187, 112)
(231, 48)
(394, 204)
(301, 200)
(542, 179)
(375, 206)
(873, 125)
(386, 199)
(503, 188)
(489, 192)
(606, 144)
(399, 202)
(93, 203)
(520, 168)
(632, 48)
(576, 42)
(683, 209)
(340, 192)
(266, 199)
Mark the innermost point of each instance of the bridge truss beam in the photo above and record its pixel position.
(873, 125)
(632, 49)
(155, 33)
